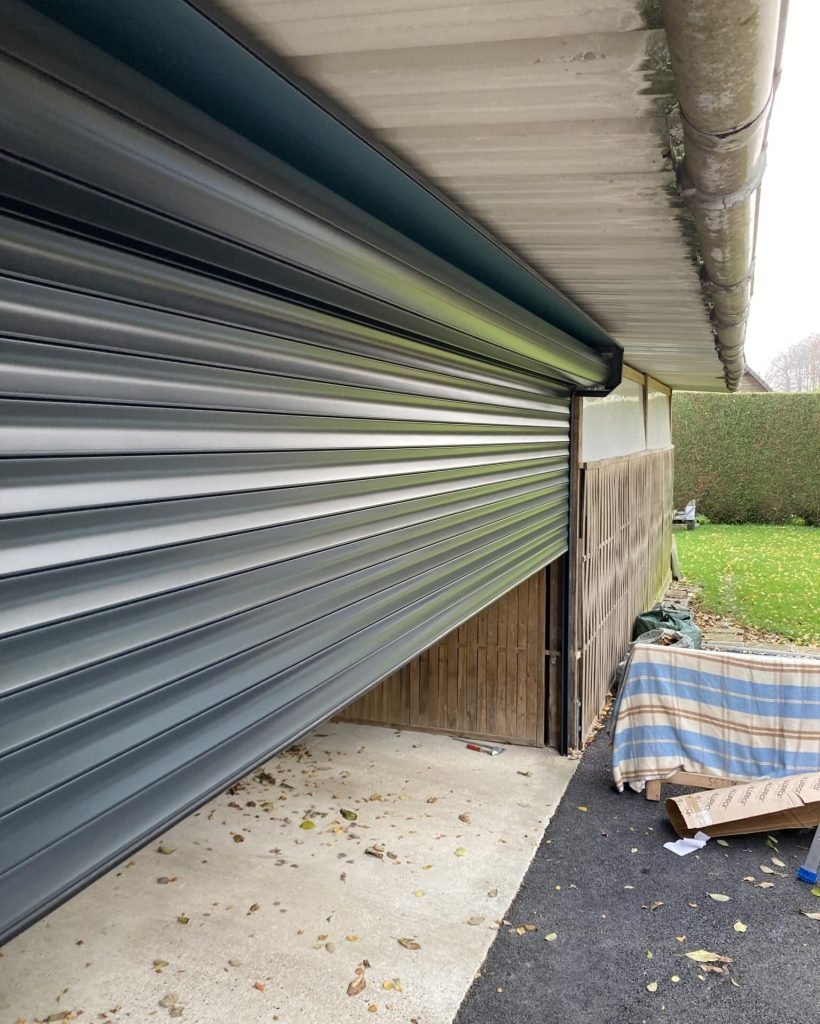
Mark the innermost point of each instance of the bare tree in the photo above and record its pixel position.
(798, 368)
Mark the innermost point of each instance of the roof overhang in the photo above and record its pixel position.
(539, 148)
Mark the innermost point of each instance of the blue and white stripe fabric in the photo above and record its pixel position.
(734, 716)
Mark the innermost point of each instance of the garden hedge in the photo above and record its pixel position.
(748, 458)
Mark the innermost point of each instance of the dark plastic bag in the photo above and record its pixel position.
(668, 618)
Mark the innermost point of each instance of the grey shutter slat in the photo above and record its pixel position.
(256, 455)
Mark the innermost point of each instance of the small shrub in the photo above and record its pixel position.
(702, 520)
(797, 521)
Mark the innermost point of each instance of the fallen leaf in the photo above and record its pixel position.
(165, 848)
(739, 926)
(475, 920)
(650, 955)
(712, 969)
(460, 852)
(582, 808)
(703, 956)
(778, 863)
(520, 930)
(175, 1011)
(238, 838)
(722, 842)
(419, 892)
(551, 937)
(655, 904)
(307, 825)
(253, 908)
(409, 943)
(158, 965)
(358, 985)
(811, 914)
(169, 1000)
(349, 815)
(718, 897)
(235, 963)
(376, 850)
(634, 849)
(372, 1008)
(465, 818)
(352, 938)
(736, 984)
(530, 927)
(652, 986)
(765, 885)
(259, 986)
(165, 880)
(771, 842)
(393, 985)
(182, 919)
(816, 890)
(680, 938)
(525, 774)
(692, 905)
(749, 878)
(675, 979)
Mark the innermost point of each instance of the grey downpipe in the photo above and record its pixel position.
(726, 63)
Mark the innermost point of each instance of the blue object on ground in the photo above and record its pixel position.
(808, 872)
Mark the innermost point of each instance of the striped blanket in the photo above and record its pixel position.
(736, 716)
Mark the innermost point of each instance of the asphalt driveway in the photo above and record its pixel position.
(604, 911)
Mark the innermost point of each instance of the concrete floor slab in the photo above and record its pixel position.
(256, 916)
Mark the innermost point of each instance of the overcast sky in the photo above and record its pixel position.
(786, 300)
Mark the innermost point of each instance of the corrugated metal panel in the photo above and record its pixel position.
(252, 463)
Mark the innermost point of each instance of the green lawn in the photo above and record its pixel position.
(762, 576)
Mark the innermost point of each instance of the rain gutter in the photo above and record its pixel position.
(726, 60)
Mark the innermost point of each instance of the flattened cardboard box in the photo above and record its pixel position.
(790, 802)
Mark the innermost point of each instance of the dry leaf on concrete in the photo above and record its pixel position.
(718, 897)
(409, 943)
(357, 985)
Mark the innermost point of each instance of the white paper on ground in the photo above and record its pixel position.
(684, 846)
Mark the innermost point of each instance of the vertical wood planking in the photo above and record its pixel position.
(622, 563)
(485, 678)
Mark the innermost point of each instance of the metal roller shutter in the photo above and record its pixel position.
(256, 456)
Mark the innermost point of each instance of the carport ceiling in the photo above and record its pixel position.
(547, 122)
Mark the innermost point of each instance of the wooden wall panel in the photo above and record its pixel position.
(486, 678)
(623, 564)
